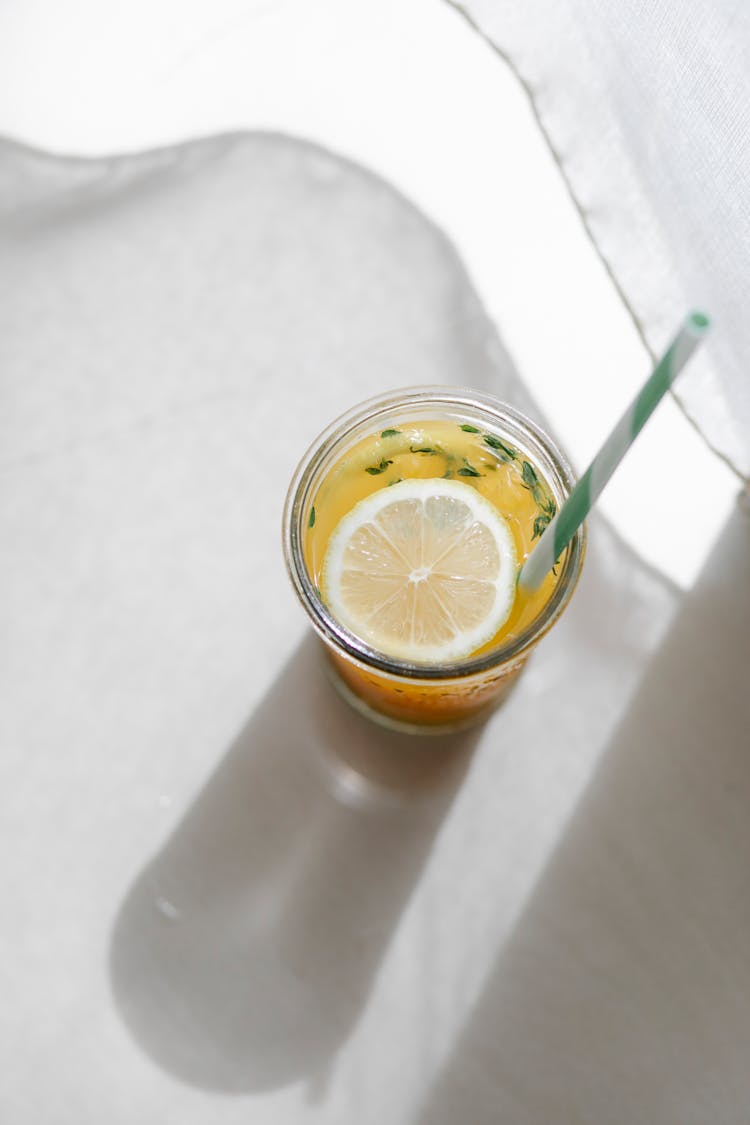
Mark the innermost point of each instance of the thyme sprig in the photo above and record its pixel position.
(528, 475)
(504, 451)
(542, 499)
(468, 470)
(540, 525)
(375, 470)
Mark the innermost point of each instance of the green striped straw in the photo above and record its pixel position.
(565, 524)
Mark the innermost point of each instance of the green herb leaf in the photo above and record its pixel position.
(422, 449)
(467, 429)
(495, 443)
(396, 481)
(543, 502)
(311, 518)
(448, 474)
(468, 470)
(540, 525)
(390, 433)
(375, 470)
(529, 475)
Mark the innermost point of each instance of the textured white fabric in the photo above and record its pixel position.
(216, 878)
(647, 106)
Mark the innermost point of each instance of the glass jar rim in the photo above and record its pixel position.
(329, 443)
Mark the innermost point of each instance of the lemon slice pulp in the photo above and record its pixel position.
(423, 570)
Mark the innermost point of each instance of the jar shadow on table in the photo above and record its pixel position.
(622, 993)
(244, 953)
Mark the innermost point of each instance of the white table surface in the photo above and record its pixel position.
(225, 896)
(407, 89)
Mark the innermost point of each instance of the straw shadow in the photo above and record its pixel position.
(623, 994)
(246, 949)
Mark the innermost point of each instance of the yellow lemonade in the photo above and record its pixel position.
(440, 449)
(465, 448)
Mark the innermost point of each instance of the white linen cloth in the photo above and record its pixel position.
(217, 880)
(647, 108)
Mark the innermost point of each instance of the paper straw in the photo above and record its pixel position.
(565, 524)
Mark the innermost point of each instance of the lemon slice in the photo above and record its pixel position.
(423, 570)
